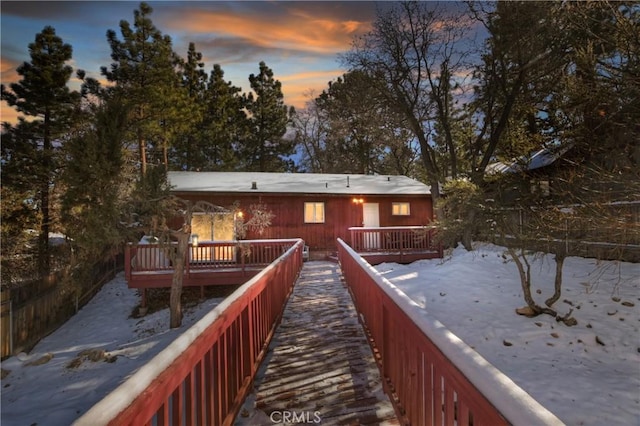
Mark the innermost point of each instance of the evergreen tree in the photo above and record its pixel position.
(144, 70)
(94, 180)
(43, 95)
(265, 148)
(188, 148)
(20, 173)
(599, 100)
(355, 138)
(521, 63)
(348, 129)
(225, 122)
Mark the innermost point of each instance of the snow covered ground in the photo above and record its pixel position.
(583, 382)
(473, 293)
(55, 393)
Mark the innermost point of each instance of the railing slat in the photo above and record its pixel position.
(455, 385)
(204, 375)
(404, 241)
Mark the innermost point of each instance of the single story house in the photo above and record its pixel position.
(315, 207)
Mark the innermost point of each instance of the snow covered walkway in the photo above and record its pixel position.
(319, 366)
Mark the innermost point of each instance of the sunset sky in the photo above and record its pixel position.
(299, 40)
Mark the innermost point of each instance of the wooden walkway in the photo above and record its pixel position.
(319, 367)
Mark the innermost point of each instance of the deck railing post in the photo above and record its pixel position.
(217, 359)
(187, 261)
(431, 375)
(242, 257)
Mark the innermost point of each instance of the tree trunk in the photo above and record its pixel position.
(558, 281)
(467, 233)
(525, 280)
(175, 305)
(143, 155)
(165, 153)
(142, 143)
(43, 243)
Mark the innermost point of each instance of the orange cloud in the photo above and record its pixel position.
(296, 87)
(8, 75)
(8, 114)
(300, 32)
(8, 72)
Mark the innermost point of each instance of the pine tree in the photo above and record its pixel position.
(42, 94)
(265, 148)
(225, 122)
(521, 63)
(187, 151)
(144, 70)
(20, 173)
(362, 130)
(94, 183)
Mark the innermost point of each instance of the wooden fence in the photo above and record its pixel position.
(432, 376)
(31, 312)
(204, 375)
(582, 232)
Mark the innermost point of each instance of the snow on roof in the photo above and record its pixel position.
(296, 183)
(541, 158)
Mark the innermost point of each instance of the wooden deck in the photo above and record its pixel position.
(287, 348)
(319, 367)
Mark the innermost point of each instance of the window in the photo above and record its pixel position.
(400, 209)
(213, 226)
(313, 212)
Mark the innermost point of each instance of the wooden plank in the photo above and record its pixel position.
(319, 362)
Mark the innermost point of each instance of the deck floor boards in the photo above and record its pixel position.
(319, 365)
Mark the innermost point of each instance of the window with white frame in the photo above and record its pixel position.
(400, 209)
(313, 212)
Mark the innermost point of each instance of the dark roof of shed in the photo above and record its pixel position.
(539, 159)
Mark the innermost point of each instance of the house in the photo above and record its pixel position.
(319, 208)
(597, 205)
(533, 173)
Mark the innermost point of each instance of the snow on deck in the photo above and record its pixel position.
(319, 366)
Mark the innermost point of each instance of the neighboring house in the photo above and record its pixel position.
(600, 210)
(540, 169)
(315, 207)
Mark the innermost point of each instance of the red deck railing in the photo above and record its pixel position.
(219, 262)
(432, 376)
(407, 243)
(203, 376)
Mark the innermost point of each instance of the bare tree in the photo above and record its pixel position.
(589, 211)
(412, 54)
(539, 229)
(311, 126)
(176, 243)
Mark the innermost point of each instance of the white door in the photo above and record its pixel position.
(371, 219)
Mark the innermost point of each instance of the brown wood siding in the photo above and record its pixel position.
(340, 214)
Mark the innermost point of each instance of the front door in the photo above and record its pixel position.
(371, 219)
